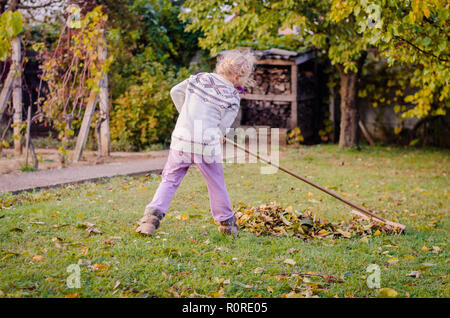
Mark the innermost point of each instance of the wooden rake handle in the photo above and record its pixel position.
(364, 211)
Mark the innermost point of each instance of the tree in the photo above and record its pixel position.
(410, 32)
(414, 34)
(256, 23)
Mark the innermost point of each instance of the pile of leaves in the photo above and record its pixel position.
(273, 219)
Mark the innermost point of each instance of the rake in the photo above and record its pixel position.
(360, 211)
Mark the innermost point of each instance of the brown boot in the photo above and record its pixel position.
(229, 226)
(149, 222)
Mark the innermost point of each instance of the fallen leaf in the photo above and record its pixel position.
(377, 232)
(344, 233)
(37, 222)
(258, 270)
(8, 255)
(425, 248)
(246, 286)
(289, 261)
(393, 260)
(37, 258)
(387, 293)
(56, 226)
(293, 294)
(428, 264)
(415, 274)
(99, 267)
(436, 249)
(94, 230)
(72, 295)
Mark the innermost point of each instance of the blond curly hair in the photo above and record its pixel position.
(236, 62)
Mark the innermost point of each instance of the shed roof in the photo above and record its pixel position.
(280, 54)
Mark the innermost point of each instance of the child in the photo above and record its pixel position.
(208, 104)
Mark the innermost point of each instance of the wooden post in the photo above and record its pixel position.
(28, 135)
(332, 113)
(17, 93)
(366, 133)
(294, 117)
(84, 130)
(5, 94)
(104, 104)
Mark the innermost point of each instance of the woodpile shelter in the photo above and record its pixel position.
(284, 94)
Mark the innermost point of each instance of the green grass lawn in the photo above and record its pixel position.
(40, 233)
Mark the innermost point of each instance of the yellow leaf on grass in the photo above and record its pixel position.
(99, 267)
(8, 255)
(425, 248)
(184, 217)
(37, 258)
(72, 295)
(344, 233)
(377, 232)
(387, 292)
(393, 260)
(258, 270)
(289, 261)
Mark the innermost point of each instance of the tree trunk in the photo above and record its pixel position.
(349, 110)
(17, 93)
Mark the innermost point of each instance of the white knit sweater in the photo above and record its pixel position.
(208, 105)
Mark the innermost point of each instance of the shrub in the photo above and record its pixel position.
(145, 113)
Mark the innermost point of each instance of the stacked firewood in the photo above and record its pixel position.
(270, 80)
(273, 114)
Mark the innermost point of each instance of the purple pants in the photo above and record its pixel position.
(175, 169)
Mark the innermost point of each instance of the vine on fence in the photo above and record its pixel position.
(72, 72)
